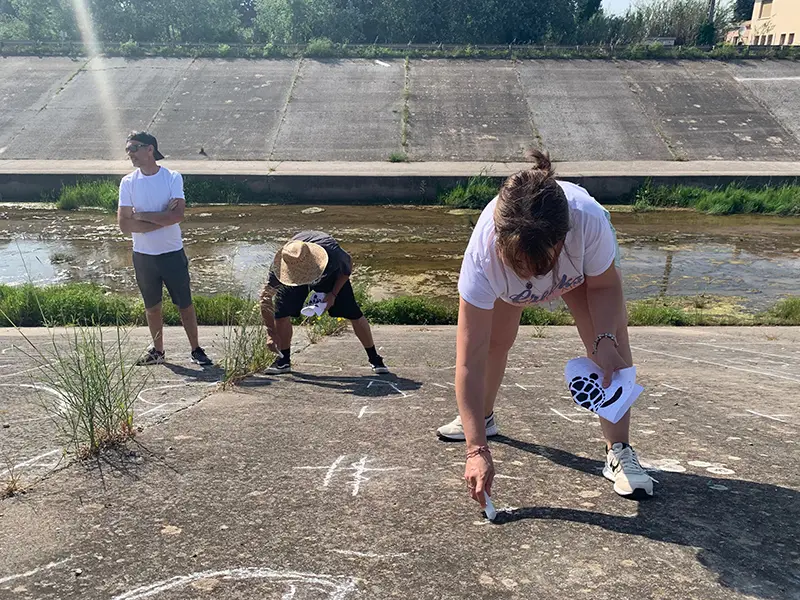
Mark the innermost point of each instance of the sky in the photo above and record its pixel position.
(616, 6)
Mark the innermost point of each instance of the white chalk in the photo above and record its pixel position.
(491, 513)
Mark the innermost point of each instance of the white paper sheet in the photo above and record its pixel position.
(315, 305)
(585, 382)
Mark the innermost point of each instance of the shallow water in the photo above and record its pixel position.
(401, 250)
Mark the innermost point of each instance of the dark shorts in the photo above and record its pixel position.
(290, 299)
(170, 269)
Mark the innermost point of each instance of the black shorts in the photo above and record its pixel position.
(289, 299)
(170, 269)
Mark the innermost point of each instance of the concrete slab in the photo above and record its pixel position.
(777, 86)
(343, 110)
(585, 110)
(468, 110)
(229, 109)
(329, 483)
(703, 114)
(26, 86)
(90, 117)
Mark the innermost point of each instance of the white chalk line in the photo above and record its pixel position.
(716, 364)
(289, 593)
(788, 78)
(758, 414)
(362, 411)
(672, 387)
(31, 461)
(563, 416)
(337, 587)
(33, 571)
(369, 554)
(745, 350)
(21, 372)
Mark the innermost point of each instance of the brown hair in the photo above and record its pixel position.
(531, 218)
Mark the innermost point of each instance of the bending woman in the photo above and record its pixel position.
(538, 240)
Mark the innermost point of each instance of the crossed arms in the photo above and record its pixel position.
(144, 222)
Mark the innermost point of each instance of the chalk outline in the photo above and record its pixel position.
(340, 589)
(32, 572)
(715, 364)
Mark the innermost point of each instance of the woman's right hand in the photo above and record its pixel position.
(479, 475)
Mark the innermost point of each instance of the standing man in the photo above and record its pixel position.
(312, 260)
(151, 206)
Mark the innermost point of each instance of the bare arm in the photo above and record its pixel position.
(127, 224)
(268, 315)
(173, 214)
(472, 351)
(607, 308)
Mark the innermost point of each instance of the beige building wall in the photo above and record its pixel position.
(776, 23)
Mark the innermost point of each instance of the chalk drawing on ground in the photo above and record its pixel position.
(358, 469)
(295, 584)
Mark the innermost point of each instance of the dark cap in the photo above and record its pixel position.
(146, 138)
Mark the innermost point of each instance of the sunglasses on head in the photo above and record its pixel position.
(135, 148)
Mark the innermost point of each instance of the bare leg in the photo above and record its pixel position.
(363, 332)
(579, 307)
(156, 324)
(189, 320)
(505, 324)
(283, 331)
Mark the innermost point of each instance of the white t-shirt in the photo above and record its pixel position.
(590, 249)
(152, 193)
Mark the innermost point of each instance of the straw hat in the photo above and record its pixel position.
(300, 263)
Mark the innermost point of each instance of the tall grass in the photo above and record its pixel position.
(100, 194)
(476, 193)
(86, 304)
(87, 383)
(732, 199)
(245, 343)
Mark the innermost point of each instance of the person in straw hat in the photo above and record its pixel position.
(312, 260)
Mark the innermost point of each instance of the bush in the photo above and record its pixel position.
(656, 312)
(321, 48)
(476, 193)
(214, 191)
(785, 312)
(409, 310)
(101, 193)
(733, 199)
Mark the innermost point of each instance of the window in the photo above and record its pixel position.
(766, 9)
(791, 39)
(783, 39)
(769, 40)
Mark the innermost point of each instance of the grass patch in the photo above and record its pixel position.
(85, 304)
(396, 157)
(87, 383)
(732, 199)
(245, 342)
(476, 193)
(101, 193)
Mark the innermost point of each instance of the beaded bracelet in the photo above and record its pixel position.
(478, 451)
(610, 336)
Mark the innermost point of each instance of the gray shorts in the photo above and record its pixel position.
(156, 270)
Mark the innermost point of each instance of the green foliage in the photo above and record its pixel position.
(477, 192)
(785, 312)
(410, 310)
(398, 157)
(732, 199)
(101, 193)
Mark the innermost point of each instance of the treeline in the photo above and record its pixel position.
(558, 22)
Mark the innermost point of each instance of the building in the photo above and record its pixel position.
(775, 23)
(741, 35)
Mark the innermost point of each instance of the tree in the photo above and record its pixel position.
(743, 10)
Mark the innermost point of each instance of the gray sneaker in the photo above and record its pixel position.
(630, 479)
(454, 430)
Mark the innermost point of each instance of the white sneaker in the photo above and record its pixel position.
(623, 468)
(454, 430)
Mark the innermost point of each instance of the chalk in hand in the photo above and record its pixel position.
(490, 512)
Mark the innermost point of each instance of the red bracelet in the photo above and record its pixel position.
(478, 451)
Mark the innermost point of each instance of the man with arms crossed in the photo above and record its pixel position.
(151, 206)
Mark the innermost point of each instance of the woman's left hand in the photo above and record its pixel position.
(609, 359)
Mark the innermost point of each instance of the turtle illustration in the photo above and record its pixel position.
(589, 393)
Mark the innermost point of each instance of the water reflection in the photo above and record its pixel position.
(401, 250)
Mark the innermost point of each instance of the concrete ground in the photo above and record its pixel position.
(475, 110)
(330, 483)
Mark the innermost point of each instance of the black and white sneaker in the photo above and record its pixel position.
(378, 366)
(281, 365)
(151, 357)
(199, 357)
(629, 477)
